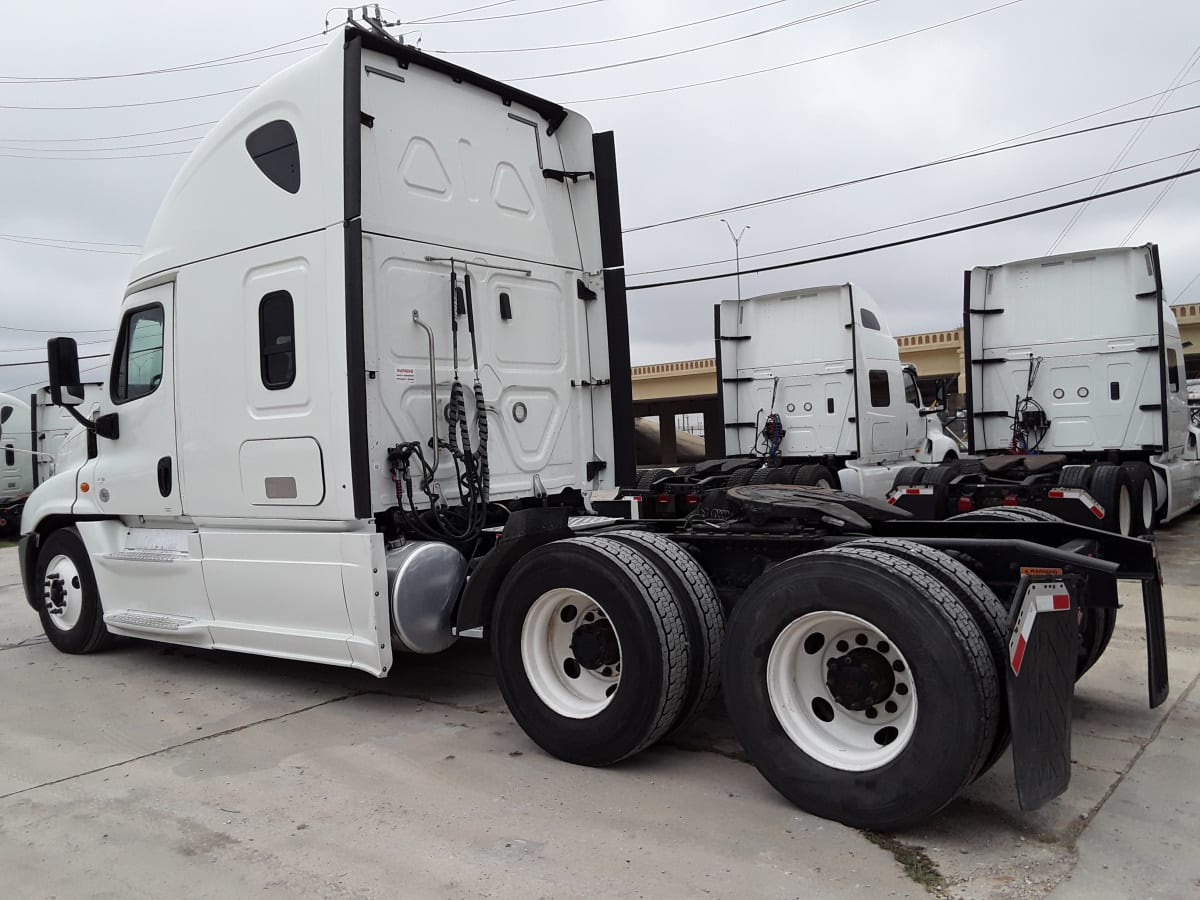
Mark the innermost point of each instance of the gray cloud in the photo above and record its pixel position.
(1015, 70)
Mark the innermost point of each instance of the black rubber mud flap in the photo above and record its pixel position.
(1042, 653)
(1156, 643)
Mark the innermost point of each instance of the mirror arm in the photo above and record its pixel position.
(85, 422)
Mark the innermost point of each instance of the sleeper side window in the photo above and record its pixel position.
(10, 455)
(274, 149)
(277, 341)
(1172, 370)
(869, 320)
(881, 394)
(139, 357)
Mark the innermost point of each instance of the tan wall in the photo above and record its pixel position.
(687, 378)
(934, 353)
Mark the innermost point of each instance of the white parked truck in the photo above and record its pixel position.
(812, 392)
(1076, 396)
(35, 438)
(369, 393)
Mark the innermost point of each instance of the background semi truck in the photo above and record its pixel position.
(369, 392)
(1076, 396)
(35, 438)
(812, 392)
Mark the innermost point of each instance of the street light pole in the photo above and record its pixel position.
(737, 258)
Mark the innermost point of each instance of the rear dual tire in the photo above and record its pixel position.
(893, 634)
(606, 644)
(1096, 624)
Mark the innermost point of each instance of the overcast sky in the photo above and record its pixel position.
(1017, 69)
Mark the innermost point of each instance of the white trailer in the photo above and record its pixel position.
(1076, 395)
(370, 384)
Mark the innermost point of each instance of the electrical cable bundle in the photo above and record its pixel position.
(461, 524)
(1019, 445)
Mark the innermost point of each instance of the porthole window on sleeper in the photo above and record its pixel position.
(274, 149)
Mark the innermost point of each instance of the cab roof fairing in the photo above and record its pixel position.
(220, 202)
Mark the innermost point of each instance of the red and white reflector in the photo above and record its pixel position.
(896, 494)
(1046, 596)
(1078, 494)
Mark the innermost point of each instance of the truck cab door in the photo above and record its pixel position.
(137, 471)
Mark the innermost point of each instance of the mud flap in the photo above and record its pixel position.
(1042, 652)
(1156, 642)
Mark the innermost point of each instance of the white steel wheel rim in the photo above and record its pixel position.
(823, 483)
(62, 592)
(1124, 511)
(547, 653)
(1147, 505)
(797, 670)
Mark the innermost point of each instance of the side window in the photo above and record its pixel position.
(139, 354)
(869, 320)
(911, 394)
(881, 394)
(274, 149)
(277, 341)
(1172, 370)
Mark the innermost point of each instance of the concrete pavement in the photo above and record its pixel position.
(158, 771)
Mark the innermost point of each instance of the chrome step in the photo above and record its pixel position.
(151, 556)
(144, 621)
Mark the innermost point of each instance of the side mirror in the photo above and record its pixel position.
(62, 356)
(940, 392)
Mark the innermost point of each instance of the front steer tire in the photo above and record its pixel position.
(650, 631)
(947, 663)
(77, 625)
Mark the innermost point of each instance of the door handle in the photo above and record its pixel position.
(164, 476)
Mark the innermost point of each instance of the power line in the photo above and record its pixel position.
(461, 12)
(249, 87)
(799, 62)
(98, 149)
(917, 238)
(12, 240)
(107, 137)
(32, 237)
(42, 349)
(56, 331)
(906, 169)
(1189, 63)
(628, 37)
(1166, 189)
(532, 12)
(95, 158)
(920, 221)
(741, 37)
(42, 362)
(1185, 287)
(248, 56)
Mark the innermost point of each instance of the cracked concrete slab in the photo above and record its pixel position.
(229, 774)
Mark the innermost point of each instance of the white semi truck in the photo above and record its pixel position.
(370, 389)
(1076, 396)
(812, 392)
(35, 438)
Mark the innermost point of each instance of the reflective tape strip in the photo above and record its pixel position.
(1078, 494)
(1047, 596)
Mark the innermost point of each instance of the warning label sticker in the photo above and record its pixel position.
(1039, 570)
(404, 373)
